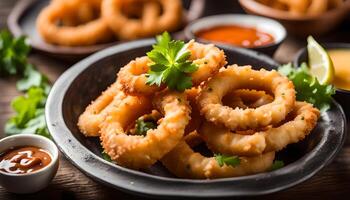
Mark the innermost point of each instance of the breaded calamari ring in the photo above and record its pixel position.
(244, 98)
(137, 151)
(208, 58)
(132, 77)
(92, 32)
(317, 7)
(233, 78)
(303, 119)
(196, 118)
(95, 113)
(185, 163)
(157, 16)
(296, 6)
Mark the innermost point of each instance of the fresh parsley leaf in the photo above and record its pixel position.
(142, 126)
(106, 156)
(32, 78)
(13, 54)
(170, 64)
(227, 160)
(30, 115)
(277, 164)
(308, 88)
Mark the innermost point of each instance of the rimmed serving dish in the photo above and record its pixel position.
(22, 19)
(34, 181)
(342, 95)
(272, 27)
(300, 25)
(84, 81)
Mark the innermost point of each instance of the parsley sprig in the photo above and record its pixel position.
(29, 108)
(13, 54)
(227, 160)
(170, 64)
(308, 87)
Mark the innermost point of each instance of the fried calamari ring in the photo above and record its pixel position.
(184, 162)
(317, 7)
(303, 119)
(208, 58)
(132, 77)
(157, 16)
(244, 98)
(137, 151)
(296, 6)
(92, 32)
(234, 78)
(94, 114)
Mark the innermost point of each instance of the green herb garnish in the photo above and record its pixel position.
(29, 108)
(142, 126)
(170, 64)
(277, 164)
(29, 116)
(227, 160)
(308, 88)
(13, 54)
(105, 156)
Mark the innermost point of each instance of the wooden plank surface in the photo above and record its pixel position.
(333, 182)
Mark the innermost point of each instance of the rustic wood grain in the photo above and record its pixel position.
(333, 182)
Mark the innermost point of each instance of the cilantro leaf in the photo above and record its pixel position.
(308, 88)
(13, 54)
(170, 64)
(227, 160)
(142, 126)
(277, 164)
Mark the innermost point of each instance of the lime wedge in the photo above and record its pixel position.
(320, 63)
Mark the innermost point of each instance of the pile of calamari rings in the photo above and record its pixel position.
(232, 110)
(88, 22)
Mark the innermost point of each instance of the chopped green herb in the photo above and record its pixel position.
(227, 160)
(170, 64)
(308, 87)
(142, 126)
(13, 54)
(277, 164)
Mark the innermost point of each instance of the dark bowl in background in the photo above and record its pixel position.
(266, 25)
(84, 81)
(22, 21)
(341, 95)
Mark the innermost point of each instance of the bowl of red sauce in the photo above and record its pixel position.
(244, 31)
(28, 163)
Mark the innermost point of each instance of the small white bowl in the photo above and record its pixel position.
(34, 181)
(263, 24)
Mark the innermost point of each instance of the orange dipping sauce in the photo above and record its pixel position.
(236, 35)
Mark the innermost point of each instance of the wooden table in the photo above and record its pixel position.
(69, 183)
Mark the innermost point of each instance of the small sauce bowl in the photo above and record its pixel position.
(341, 95)
(262, 24)
(34, 181)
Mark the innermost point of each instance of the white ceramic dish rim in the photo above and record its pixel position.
(53, 153)
(263, 24)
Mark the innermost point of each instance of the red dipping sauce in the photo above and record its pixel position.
(236, 35)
